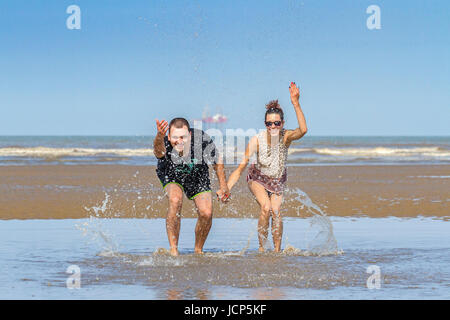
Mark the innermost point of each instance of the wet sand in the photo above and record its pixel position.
(71, 192)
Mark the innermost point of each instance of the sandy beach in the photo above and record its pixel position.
(72, 192)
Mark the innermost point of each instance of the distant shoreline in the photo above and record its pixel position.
(152, 136)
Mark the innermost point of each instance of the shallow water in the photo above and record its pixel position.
(125, 259)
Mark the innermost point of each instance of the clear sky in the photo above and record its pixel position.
(134, 61)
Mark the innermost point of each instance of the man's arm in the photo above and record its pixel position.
(159, 149)
(220, 172)
(223, 193)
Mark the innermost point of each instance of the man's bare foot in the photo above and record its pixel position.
(174, 252)
(261, 249)
(277, 250)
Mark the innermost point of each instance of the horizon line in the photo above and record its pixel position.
(149, 135)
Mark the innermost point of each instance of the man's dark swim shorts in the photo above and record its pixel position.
(191, 184)
(192, 175)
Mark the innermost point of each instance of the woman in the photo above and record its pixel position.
(267, 177)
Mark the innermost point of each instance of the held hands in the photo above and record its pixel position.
(162, 127)
(223, 194)
(295, 93)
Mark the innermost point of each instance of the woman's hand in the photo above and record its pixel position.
(223, 194)
(295, 93)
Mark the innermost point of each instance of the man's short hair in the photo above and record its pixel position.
(179, 123)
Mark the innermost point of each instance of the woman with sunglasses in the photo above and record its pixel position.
(267, 176)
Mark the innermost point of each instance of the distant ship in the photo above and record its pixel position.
(216, 121)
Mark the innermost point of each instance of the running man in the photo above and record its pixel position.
(183, 158)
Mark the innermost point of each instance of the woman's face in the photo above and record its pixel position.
(272, 119)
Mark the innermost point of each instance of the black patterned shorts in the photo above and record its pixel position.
(191, 184)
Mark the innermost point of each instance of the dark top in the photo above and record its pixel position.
(203, 152)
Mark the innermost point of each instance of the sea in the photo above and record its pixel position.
(310, 150)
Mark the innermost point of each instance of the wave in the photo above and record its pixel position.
(380, 152)
(46, 152)
(299, 150)
(307, 154)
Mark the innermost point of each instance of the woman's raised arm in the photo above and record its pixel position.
(296, 134)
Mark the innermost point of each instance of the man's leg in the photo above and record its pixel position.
(264, 202)
(173, 219)
(203, 202)
(277, 221)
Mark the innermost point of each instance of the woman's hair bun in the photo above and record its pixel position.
(273, 105)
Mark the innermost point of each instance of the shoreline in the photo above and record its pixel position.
(65, 191)
(289, 164)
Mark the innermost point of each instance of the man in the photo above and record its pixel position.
(183, 159)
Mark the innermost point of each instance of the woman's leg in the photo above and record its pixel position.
(277, 221)
(264, 202)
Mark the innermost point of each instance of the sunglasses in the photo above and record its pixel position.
(269, 123)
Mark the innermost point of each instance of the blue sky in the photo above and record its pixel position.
(134, 61)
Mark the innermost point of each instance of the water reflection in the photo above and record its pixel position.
(187, 293)
(268, 294)
(174, 294)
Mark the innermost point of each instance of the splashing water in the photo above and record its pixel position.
(323, 241)
(96, 230)
(320, 239)
(242, 252)
(103, 214)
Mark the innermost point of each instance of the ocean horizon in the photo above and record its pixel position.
(310, 150)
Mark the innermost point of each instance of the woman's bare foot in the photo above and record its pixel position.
(198, 251)
(261, 249)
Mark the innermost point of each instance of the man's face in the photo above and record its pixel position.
(180, 138)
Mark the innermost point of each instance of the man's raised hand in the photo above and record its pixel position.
(162, 127)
